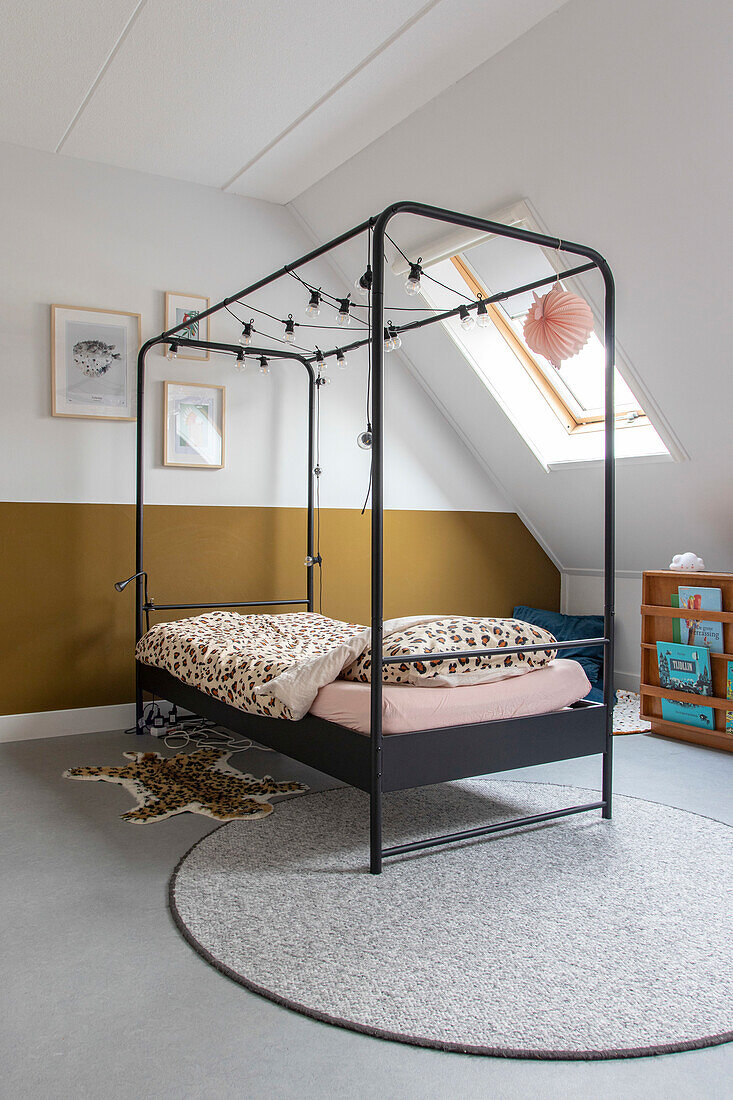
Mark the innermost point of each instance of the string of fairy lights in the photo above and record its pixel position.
(347, 315)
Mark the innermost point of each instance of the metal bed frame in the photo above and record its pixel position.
(377, 764)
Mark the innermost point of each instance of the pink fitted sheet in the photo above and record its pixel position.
(406, 708)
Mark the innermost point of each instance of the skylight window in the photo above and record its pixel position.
(559, 413)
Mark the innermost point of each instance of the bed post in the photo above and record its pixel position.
(140, 587)
(377, 422)
(609, 563)
(310, 550)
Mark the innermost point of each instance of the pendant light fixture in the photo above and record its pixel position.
(482, 316)
(314, 305)
(344, 317)
(364, 282)
(412, 284)
(392, 339)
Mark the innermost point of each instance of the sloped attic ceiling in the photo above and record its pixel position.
(616, 156)
(259, 98)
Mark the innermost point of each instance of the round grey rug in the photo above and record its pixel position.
(579, 938)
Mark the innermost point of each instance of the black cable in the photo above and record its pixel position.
(313, 289)
(431, 277)
(298, 324)
(369, 489)
(445, 286)
(402, 254)
(296, 347)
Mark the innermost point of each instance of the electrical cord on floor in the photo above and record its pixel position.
(202, 734)
(179, 733)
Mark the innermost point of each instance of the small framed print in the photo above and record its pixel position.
(193, 425)
(183, 309)
(93, 360)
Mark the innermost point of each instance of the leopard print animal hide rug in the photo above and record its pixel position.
(201, 782)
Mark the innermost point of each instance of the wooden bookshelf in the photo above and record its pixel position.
(657, 616)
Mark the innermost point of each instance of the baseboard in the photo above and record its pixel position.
(627, 681)
(65, 723)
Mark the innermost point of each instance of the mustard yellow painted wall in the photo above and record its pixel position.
(68, 636)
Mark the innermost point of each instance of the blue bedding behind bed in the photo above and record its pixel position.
(566, 628)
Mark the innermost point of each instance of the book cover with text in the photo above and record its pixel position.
(700, 631)
(685, 668)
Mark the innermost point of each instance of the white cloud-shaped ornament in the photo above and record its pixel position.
(689, 562)
(558, 325)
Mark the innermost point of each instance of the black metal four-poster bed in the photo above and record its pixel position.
(377, 764)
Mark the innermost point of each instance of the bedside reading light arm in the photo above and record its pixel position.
(120, 586)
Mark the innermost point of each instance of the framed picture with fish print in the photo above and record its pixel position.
(93, 362)
(193, 425)
(184, 309)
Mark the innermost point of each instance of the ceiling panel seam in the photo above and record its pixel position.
(98, 78)
(363, 64)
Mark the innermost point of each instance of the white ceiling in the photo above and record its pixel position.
(256, 97)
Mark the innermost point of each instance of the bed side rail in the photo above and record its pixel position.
(151, 605)
(457, 655)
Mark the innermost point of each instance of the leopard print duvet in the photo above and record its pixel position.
(233, 657)
(460, 634)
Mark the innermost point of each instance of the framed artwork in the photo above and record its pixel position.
(93, 362)
(185, 308)
(193, 425)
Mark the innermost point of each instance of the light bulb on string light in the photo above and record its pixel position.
(482, 316)
(321, 363)
(412, 283)
(264, 365)
(364, 282)
(467, 319)
(239, 364)
(246, 338)
(344, 317)
(392, 339)
(314, 305)
(364, 439)
(290, 330)
(340, 359)
(172, 352)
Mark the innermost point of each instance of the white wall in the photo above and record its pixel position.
(607, 116)
(85, 234)
(582, 594)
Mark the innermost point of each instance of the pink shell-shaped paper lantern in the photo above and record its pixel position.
(558, 325)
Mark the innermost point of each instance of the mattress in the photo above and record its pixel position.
(406, 709)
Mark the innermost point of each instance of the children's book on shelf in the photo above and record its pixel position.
(676, 623)
(685, 668)
(699, 631)
(729, 695)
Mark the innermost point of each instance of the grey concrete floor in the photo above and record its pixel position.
(101, 997)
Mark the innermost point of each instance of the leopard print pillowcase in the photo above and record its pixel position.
(459, 634)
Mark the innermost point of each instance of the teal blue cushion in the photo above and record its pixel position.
(566, 628)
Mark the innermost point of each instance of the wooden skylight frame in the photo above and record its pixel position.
(570, 420)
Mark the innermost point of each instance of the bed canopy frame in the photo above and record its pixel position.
(374, 763)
